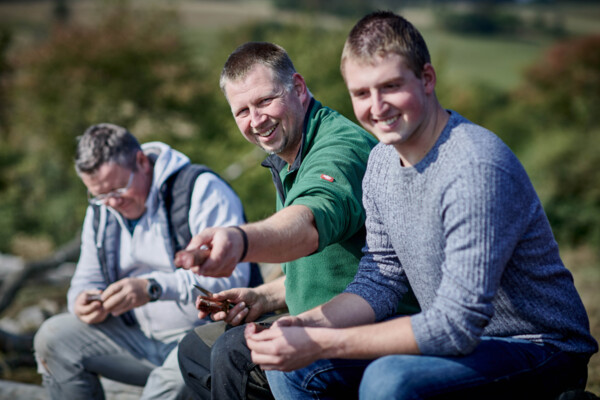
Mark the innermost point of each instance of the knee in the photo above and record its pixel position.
(50, 339)
(186, 346)
(231, 347)
(383, 379)
(51, 332)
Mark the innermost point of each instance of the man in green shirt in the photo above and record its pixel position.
(317, 160)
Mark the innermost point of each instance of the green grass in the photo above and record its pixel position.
(584, 263)
(468, 60)
(499, 61)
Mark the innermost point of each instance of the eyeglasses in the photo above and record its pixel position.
(114, 194)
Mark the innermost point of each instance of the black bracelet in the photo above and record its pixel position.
(245, 239)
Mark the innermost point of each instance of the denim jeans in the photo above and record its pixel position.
(72, 354)
(497, 369)
(323, 379)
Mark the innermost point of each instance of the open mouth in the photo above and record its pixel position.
(389, 121)
(268, 132)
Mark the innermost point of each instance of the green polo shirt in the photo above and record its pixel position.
(326, 177)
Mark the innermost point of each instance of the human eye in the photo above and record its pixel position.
(266, 101)
(359, 94)
(392, 86)
(242, 113)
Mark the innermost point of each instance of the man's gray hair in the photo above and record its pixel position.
(105, 143)
(246, 56)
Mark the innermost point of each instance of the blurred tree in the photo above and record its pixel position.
(565, 83)
(565, 166)
(562, 93)
(478, 18)
(9, 157)
(5, 82)
(348, 8)
(132, 69)
(61, 11)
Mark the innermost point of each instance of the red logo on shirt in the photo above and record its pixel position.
(327, 177)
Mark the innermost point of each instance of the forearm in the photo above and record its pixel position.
(368, 341)
(334, 314)
(285, 236)
(273, 293)
(288, 346)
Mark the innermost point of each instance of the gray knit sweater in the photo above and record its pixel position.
(465, 228)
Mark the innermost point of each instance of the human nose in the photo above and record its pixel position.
(257, 118)
(113, 200)
(379, 105)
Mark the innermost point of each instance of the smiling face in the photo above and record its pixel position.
(388, 98)
(110, 176)
(267, 113)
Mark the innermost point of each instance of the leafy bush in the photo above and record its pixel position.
(565, 83)
(562, 93)
(352, 8)
(134, 69)
(131, 69)
(480, 20)
(566, 170)
(5, 72)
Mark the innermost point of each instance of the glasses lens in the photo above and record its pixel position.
(115, 194)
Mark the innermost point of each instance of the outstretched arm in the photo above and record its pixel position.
(287, 235)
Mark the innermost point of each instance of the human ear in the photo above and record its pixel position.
(429, 78)
(299, 86)
(143, 162)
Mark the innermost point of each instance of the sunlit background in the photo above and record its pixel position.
(527, 70)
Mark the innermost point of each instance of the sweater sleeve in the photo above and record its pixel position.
(484, 212)
(380, 279)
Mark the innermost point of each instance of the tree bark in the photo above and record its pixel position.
(14, 281)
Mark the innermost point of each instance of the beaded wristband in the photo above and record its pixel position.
(245, 239)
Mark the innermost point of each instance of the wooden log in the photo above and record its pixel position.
(16, 279)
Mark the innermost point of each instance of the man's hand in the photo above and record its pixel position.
(283, 348)
(124, 295)
(88, 308)
(249, 305)
(213, 252)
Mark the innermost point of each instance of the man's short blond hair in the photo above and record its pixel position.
(381, 33)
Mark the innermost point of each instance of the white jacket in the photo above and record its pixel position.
(147, 252)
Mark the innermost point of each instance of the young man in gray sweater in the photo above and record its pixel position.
(452, 213)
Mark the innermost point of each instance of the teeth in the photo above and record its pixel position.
(391, 120)
(267, 133)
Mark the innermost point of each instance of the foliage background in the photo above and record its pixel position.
(528, 71)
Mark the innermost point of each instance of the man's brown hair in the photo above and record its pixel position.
(381, 33)
(245, 57)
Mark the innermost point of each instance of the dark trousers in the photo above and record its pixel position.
(215, 363)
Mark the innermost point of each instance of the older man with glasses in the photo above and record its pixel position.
(128, 304)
